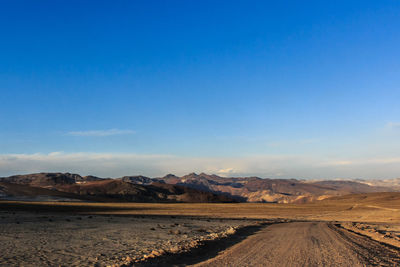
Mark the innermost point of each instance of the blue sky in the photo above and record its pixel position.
(270, 88)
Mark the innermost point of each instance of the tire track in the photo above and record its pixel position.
(306, 244)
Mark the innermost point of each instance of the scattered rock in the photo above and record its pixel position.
(174, 249)
(230, 231)
(174, 232)
(157, 253)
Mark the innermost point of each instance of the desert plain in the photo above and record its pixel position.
(356, 230)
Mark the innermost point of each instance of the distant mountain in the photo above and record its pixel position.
(139, 179)
(49, 180)
(156, 192)
(393, 183)
(90, 188)
(11, 191)
(196, 188)
(351, 187)
(388, 200)
(254, 189)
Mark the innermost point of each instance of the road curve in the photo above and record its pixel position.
(306, 244)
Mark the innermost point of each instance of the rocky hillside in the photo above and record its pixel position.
(121, 190)
(89, 188)
(254, 189)
(196, 188)
(49, 180)
(393, 183)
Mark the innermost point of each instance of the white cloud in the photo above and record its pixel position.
(108, 132)
(55, 153)
(339, 163)
(226, 172)
(393, 125)
(273, 166)
(367, 163)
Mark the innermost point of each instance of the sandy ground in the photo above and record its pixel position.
(384, 212)
(29, 239)
(142, 234)
(385, 233)
(306, 244)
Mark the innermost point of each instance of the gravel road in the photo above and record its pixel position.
(306, 244)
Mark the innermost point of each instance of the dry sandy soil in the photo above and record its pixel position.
(306, 244)
(350, 231)
(385, 233)
(374, 207)
(29, 239)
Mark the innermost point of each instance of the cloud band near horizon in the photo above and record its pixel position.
(265, 166)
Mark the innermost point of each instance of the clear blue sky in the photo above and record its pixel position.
(288, 87)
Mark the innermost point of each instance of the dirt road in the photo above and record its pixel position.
(306, 244)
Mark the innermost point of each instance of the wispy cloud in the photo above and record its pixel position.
(393, 125)
(108, 132)
(119, 164)
(226, 172)
(339, 163)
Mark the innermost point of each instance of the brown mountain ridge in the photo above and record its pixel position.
(67, 186)
(188, 188)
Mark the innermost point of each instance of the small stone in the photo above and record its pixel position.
(155, 253)
(174, 249)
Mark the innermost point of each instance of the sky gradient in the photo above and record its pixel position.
(280, 89)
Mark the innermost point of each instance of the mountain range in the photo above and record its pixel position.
(67, 187)
(188, 188)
